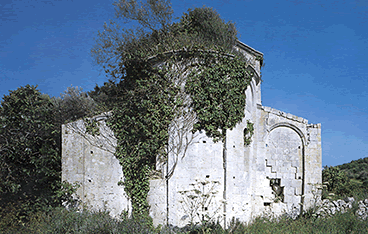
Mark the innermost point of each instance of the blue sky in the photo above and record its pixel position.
(315, 56)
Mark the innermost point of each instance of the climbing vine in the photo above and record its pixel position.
(150, 95)
(92, 126)
(217, 90)
(248, 133)
(140, 122)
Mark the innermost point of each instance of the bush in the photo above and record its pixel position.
(336, 180)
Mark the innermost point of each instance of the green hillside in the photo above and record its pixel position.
(349, 179)
(356, 170)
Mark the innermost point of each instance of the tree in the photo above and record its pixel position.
(337, 181)
(107, 95)
(73, 104)
(149, 31)
(116, 43)
(29, 150)
(163, 72)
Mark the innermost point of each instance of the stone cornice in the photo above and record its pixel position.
(249, 49)
(285, 115)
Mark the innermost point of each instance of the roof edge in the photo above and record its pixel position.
(248, 49)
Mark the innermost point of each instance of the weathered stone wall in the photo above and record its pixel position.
(288, 161)
(203, 161)
(90, 161)
(274, 173)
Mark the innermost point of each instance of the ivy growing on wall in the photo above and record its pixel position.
(248, 133)
(217, 90)
(92, 126)
(149, 96)
(141, 123)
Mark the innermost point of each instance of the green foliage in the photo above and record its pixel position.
(107, 95)
(116, 44)
(92, 127)
(140, 122)
(335, 180)
(357, 170)
(60, 220)
(145, 87)
(248, 133)
(206, 27)
(340, 223)
(64, 193)
(29, 150)
(30, 154)
(217, 88)
(348, 179)
(72, 105)
(153, 33)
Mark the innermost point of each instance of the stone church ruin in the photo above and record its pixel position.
(273, 172)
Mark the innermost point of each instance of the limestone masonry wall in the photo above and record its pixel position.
(275, 173)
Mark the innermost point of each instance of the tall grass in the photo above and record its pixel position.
(60, 220)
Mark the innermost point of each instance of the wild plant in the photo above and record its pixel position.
(198, 202)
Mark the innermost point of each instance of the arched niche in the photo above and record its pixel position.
(285, 158)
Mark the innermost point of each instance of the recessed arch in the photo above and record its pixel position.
(293, 127)
(284, 153)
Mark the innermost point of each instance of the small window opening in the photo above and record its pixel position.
(204, 141)
(207, 176)
(275, 184)
(91, 152)
(267, 203)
